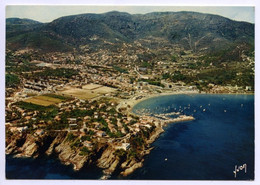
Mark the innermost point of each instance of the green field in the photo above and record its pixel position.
(46, 100)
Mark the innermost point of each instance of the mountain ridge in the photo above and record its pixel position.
(190, 30)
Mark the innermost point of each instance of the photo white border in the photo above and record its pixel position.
(3, 3)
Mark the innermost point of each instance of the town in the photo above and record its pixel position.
(78, 104)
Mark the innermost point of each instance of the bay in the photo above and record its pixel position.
(208, 148)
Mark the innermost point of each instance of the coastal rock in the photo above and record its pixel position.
(107, 158)
(155, 135)
(147, 151)
(78, 161)
(68, 155)
(29, 148)
(133, 166)
(11, 147)
(112, 168)
(124, 164)
(128, 163)
(58, 139)
(14, 142)
(65, 152)
(108, 161)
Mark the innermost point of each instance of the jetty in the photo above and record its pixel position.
(181, 118)
(165, 119)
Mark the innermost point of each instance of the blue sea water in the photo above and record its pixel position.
(208, 148)
(46, 168)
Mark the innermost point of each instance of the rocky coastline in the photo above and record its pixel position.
(104, 156)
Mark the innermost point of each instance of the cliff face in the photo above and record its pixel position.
(105, 155)
(70, 156)
(29, 148)
(108, 161)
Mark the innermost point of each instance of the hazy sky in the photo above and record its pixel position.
(49, 13)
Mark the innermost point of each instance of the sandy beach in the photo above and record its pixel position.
(130, 103)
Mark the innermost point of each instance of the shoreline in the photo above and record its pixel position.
(140, 164)
(132, 102)
(111, 165)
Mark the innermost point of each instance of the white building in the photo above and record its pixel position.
(124, 146)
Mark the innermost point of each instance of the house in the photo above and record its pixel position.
(8, 124)
(124, 146)
(27, 117)
(73, 126)
(87, 118)
(13, 129)
(71, 120)
(137, 130)
(142, 69)
(87, 144)
(148, 126)
(39, 132)
(57, 118)
(22, 129)
(101, 133)
(97, 125)
(248, 88)
(144, 77)
(102, 105)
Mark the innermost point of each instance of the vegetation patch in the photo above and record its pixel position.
(119, 69)
(32, 107)
(59, 72)
(70, 137)
(58, 97)
(152, 82)
(11, 81)
(84, 151)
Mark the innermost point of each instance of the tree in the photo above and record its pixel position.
(173, 58)
(11, 81)
(84, 151)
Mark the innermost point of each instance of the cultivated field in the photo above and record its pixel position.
(88, 91)
(80, 93)
(43, 100)
(91, 86)
(104, 90)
